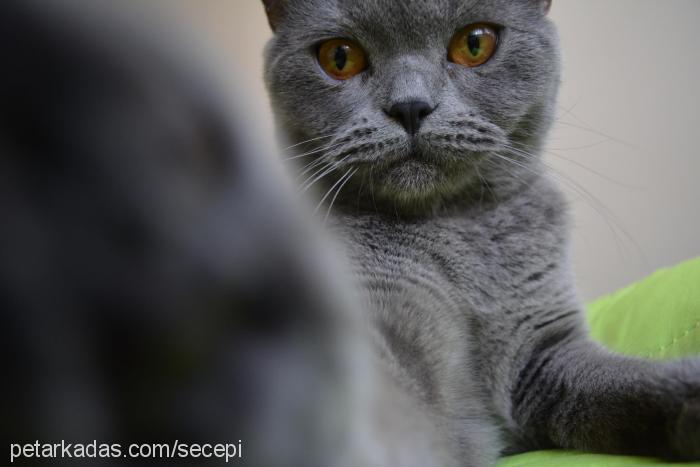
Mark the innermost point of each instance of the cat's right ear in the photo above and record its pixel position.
(275, 10)
(547, 5)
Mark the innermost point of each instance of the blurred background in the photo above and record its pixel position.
(624, 146)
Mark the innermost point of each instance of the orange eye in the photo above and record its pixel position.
(474, 45)
(342, 58)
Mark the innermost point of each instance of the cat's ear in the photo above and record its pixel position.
(546, 5)
(275, 10)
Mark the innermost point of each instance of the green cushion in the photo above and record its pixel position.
(658, 317)
(578, 459)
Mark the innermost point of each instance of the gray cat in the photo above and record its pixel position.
(157, 282)
(423, 124)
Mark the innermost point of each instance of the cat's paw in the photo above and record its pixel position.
(685, 436)
(686, 440)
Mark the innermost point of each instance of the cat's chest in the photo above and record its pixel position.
(486, 260)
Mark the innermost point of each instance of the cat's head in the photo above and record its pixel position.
(415, 103)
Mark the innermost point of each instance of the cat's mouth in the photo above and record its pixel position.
(417, 172)
(419, 176)
(418, 152)
(412, 174)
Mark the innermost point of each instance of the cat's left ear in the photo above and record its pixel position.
(275, 10)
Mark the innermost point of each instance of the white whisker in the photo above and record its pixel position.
(579, 148)
(614, 224)
(328, 193)
(324, 167)
(311, 166)
(315, 151)
(307, 141)
(330, 169)
(328, 213)
(576, 163)
(596, 132)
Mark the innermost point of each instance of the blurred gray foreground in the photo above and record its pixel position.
(157, 279)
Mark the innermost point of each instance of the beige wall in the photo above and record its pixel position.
(629, 110)
(631, 72)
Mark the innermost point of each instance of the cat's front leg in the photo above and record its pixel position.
(571, 393)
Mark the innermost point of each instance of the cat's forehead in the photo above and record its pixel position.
(385, 21)
(389, 19)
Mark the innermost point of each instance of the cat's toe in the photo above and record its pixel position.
(687, 431)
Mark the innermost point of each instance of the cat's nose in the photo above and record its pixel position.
(410, 114)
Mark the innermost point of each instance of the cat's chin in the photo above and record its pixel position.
(416, 185)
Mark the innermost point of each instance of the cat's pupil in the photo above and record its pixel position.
(341, 57)
(474, 43)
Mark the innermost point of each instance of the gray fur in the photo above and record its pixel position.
(459, 240)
